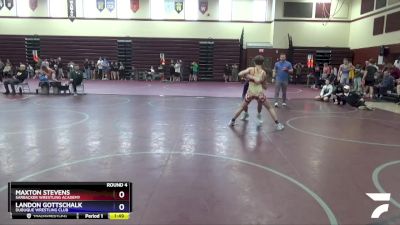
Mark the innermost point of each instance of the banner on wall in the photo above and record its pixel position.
(100, 4)
(169, 6)
(310, 60)
(203, 6)
(178, 6)
(35, 55)
(162, 59)
(9, 4)
(135, 5)
(33, 4)
(1, 4)
(71, 10)
(110, 5)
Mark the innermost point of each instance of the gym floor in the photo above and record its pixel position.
(188, 167)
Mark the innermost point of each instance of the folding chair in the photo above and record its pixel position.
(24, 86)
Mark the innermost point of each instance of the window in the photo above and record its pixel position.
(259, 10)
(23, 9)
(225, 10)
(367, 6)
(191, 9)
(57, 8)
(124, 9)
(380, 4)
(298, 9)
(157, 9)
(89, 8)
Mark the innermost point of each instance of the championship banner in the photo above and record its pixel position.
(178, 6)
(310, 61)
(162, 59)
(169, 6)
(203, 6)
(9, 4)
(33, 4)
(1, 4)
(71, 10)
(135, 5)
(110, 5)
(101, 4)
(35, 55)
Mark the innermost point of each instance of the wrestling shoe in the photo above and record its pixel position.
(245, 116)
(259, 119)
(279, 126)
(276, 105)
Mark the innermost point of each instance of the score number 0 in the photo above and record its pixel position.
(121, 195)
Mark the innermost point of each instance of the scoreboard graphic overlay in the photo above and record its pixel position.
(70, 200)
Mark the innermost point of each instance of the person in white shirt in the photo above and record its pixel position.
(326, 92)
(397, 63)
(178, 71)
(99, 66)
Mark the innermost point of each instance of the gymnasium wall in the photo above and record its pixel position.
(361, 29)
(254, 32)
(313, 32)
(121, 23)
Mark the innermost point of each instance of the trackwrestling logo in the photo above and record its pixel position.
(379, 197)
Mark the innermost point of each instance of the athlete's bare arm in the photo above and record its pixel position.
(245, 72)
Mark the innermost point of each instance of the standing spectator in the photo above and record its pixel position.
(161, 71)
(194, 71)
(235, 72)
(92, 67)
(121, 71)
(88, 72)
(172, 71)
(227, 73)
(317, 77)
(181, 70)
(298, 68)
(369, 77)
(281, 72)
(344, 71)
(1, 70)
(60, 68)
(106, 69)
(114, 70)
(70, 67)
(76, 78)
(99, 66)
(326, 71)
(177, 71)
(21, 75)
(357, 79)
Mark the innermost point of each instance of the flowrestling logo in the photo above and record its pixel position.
(379, 197)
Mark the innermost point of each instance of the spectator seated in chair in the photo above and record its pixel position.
(326, 92)
(21, 75)
(387, 84)
(76, 78)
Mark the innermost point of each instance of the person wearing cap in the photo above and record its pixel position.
(76, 78)
(338, 94)
(326, 92)
(354, 99)
(21, 75)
